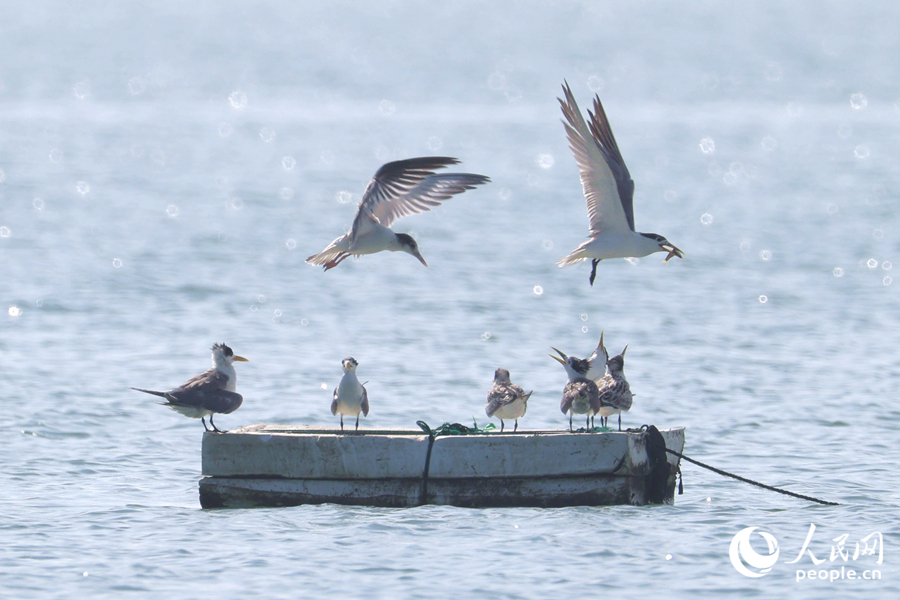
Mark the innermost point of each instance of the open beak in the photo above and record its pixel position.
(241, 359)
(673, 251)
(562, 360)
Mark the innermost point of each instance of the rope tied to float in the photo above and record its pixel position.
(653, 444)
(445, 429)
(455, 429)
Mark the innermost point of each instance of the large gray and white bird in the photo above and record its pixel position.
(615, 393)
(608, 189)
(211, 392)
(400, 188)
(350, 396)
(506, 400)
(581, 395)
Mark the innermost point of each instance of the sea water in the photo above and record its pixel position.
(165, 171)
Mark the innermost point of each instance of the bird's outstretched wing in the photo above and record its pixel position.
(407, 187)
(608, 187)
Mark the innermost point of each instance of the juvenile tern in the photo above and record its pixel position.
(211, 392)
(615, 393)
(506, 400)
(400, 188)
(350, 396)
(581, 395)
(608, 189)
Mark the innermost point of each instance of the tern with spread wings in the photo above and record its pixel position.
(608, 189)
(400, 188)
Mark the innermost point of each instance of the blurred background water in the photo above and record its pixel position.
(166, 168)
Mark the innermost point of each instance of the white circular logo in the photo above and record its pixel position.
(743, 555)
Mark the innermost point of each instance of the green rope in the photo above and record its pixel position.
(455, 429)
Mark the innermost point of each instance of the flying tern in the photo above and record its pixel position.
(399, 188)
(608, 189)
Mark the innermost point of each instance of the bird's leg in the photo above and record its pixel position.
(570, 421)
(216, 429)
(516, 426)
(501, 425)
(335, 262)
(594, 269)
(587, 422)
(592, 421)
(203, 420)
(620, 421)
(342, 421)
(357, 423)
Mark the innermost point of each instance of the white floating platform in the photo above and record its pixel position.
(274, 465)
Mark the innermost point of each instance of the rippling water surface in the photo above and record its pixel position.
(165, 171)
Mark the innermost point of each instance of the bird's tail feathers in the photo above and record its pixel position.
(329, 257)
(160, 394)
(577, 255)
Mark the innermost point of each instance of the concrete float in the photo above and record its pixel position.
(276, 465)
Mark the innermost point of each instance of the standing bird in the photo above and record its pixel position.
(350, 396)
(211, 392)
(615, 393)
(506, 400)
(608, 189)
(400, 188)
(580, 396)
(596, 364)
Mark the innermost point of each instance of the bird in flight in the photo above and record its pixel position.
(400, 188)
(608, 189)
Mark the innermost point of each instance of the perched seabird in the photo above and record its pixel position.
(580, 396)
(350, 396)
(506, 400)
(211, 392)
(608, 189)
(615, 393)
(400, 188)
(596, 363)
